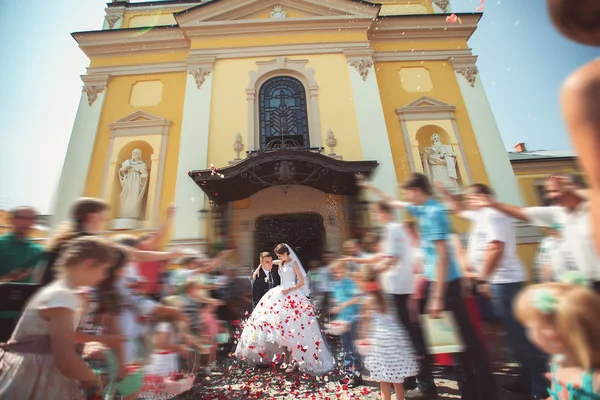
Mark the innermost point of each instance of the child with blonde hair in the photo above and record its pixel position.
(562, 320)
(387, 348)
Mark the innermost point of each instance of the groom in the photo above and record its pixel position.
(266, 278)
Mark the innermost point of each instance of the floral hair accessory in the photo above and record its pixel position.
(372, 287)
(545, 301)
(574, 278)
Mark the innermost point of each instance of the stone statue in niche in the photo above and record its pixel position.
(439, 163)
(134, 181)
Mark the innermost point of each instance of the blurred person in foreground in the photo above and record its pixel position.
(571, 209)
(443, 290)
(18, 253)
(579, 20)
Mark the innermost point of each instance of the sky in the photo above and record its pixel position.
(522, 63)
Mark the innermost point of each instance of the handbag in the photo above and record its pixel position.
(441, 334)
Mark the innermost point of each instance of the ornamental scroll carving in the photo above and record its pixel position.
(285, 173)
(442, 4)
(469, 72)
(111, 20)
(200, 74)
(362, 66)
(92, 93)
(466, 66)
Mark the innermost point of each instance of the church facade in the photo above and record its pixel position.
(253, 116)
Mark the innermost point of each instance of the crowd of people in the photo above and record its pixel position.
(112, 317)
(108, 308)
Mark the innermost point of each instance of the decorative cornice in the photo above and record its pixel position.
(140, 123)
(140, 69)
(125, 42)
(465, 65)
(442, 4)
(279, 26)
(425, 108)
(240, 9)
(281, 50)
(427, 26)
(111, 20)
(200, 74)
(420, 55)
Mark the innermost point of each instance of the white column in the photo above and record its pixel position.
(81, 146)
(193, 151)
(374, 137)
(491, 147)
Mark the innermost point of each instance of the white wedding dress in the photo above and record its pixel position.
(289, 321)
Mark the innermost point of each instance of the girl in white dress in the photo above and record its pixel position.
(284, 321)
(389, 356)
(39, 361)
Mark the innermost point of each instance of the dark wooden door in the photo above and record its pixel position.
(304, 233)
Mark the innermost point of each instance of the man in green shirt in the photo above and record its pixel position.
(18, 253)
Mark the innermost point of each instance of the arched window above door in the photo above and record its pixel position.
(282, 112)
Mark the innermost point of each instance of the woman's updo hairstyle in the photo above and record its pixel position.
(282, 249)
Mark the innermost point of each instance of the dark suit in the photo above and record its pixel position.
(261, 285)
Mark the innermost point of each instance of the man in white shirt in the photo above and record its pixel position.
(492, 255)
(554, 259)
(572, 210)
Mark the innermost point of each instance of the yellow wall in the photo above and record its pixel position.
(531, 174)
(445, 88)
(419, 45)
(152, 18)
(116, 106)
(138, 59)
(229, 107)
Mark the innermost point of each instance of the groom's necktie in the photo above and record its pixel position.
(269, 279)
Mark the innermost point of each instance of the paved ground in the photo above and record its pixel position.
(236, 380)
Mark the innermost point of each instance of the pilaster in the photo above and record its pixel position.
(489, 141)
(81, 145)
(193, 149)
(371, 122)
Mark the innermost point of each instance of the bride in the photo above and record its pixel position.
(284, 321)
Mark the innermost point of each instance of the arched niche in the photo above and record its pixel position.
(124, 154)
(282, 66)
(418, 121)
(422, 139)
(149, 133)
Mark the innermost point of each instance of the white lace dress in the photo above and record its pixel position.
(288, 321)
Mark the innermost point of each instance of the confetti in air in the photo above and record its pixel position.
(452, 18)
(215, 171)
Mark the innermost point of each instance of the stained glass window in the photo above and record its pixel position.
(282, 111)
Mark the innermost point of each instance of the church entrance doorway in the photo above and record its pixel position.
(303, 232)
